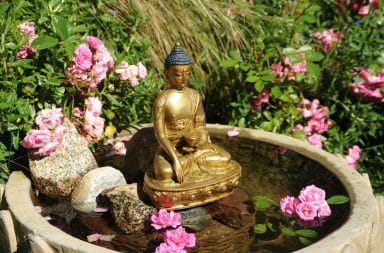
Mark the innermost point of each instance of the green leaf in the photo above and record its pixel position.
(305, 241)
(259, 86)
(260, 228)
(306, 233)
(289, 51)
(236, 55)
(44, 42)
(268, 76)
(299, 135)
(267, 115)
(113, 100)
(275, 91)
(314, 56)
(228, 63)
(304, 48)
(337, 200)
(244, 66)
(3, 8)
(296, 59)
(62, 28)
(263, 202)
(313, 8)
(313, 69)
(310, 19)
(287, 232)
(252, 79)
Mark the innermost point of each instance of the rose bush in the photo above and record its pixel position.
(62, 55)
(322, 69)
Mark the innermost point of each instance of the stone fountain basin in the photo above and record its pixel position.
(355, 234)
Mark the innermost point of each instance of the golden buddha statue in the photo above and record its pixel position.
(188, 169)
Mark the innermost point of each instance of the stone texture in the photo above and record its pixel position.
(92, 184)
(56, 175)
(129, 212)
(8, 242)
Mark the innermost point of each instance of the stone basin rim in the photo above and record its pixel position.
(362, 201)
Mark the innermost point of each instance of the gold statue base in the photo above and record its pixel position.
(205, 188)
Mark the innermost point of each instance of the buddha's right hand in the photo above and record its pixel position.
(178, 171)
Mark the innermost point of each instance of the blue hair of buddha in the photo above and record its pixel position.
(177, 57)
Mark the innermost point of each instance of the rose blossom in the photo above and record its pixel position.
(48, 148)
(315, 140)
(36, 138)
(142, 70)
(94, 42)
(166, 248)
(328, 37)
(93, 104)
(306, 210)
(262, 98)
(353, 156)
(27, 29)
(288, 205)
(50, 118)
(324, 210)
(119, 148)
(180, 238)
(163, 219)
(312, 194)
(83, 57)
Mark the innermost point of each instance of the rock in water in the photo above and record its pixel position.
(129, 212)
(56, 175)
(91, 185)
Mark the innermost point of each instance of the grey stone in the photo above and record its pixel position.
(92, 184)
(56, 175)
(129, 212)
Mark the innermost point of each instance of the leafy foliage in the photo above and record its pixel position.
(38, 82)
(328, 73)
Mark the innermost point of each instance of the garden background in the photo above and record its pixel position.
(313, 69)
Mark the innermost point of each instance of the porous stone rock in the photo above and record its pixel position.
(129, 211)
(57, 175)
(92, 184)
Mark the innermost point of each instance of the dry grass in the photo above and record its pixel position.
(202, 27)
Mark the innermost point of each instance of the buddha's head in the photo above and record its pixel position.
(177, 68)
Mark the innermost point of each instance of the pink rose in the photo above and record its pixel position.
(134, 81)
(166, 248)
(48, 148)
(277, 70)
(83, 57)
(121, 70)
(262, 98)
(93, 125)
(180, 238)
(324, 210)
(315, 140)
(93, 104)
(142, 70)
(288, 205)
(119, 148)
(36, 138)
(102, 55)
(59, 133)
(27, 28)
(50, 118)
(353, 156)
(328, 38)
(23, 53)
(306, 210)
(94, 42)
(312, 194)
(163, 219)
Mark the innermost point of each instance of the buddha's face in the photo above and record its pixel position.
(178, 76)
